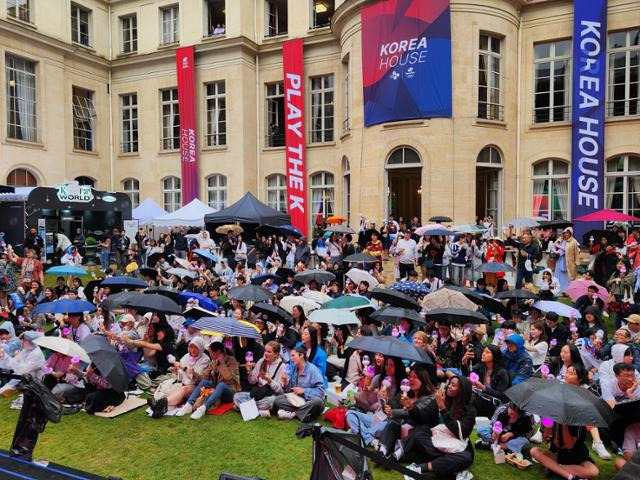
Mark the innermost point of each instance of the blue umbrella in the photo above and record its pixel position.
(66, 270)
(124, 281)
(226, 326)
(64, 306)
(263, 277)
(290, 230)
(206, 254)
(203, 301)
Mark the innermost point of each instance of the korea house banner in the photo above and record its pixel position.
(292, 60)
(185, 70)
(406, 60)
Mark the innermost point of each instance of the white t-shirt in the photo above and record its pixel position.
(611, 391)
(407, 250)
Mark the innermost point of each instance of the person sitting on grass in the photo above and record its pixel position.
(222, 375)
(519, 362)
(314, 352)
(28, 360)
(304, 387)
(510, 428)
(493, 379)
(99, 394)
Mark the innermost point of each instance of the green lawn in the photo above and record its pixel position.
(135, 447)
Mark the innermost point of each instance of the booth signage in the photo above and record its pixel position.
(406, 60)
(187, 108)
(74, 193)
(588, 116)
(292, 59)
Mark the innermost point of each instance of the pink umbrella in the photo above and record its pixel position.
(432, 226)
(607, 215)
(578, 288)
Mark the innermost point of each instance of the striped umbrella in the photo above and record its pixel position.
(226, 326)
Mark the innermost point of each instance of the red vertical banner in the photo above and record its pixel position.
(292, 59)
(185, 69)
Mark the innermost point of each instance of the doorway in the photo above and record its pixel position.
(488, 192)
(404, 183)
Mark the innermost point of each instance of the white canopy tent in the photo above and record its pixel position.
(147, 211)
(191, 215)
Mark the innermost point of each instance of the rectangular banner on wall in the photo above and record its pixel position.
(292, 60)
(406, 60)
(185, 70)
(588, 110)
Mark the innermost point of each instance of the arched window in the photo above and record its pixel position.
(87, 181)
(489, 156)
(131, 187)
(403, 157)
(322, 196)
(21, 177)
(488, 177)
(277, 192)
(346, 188)
(217, 191)
(551, 189)
(171, 194)
(623, 184)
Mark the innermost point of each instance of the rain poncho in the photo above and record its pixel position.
(519, 363)
(197, 363)
(30, 359)
(605, 370)
(13, 344)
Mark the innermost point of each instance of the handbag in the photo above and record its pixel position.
(445, 441)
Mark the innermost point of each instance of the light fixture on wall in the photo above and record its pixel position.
(12, 83)
(419, 191)
(321, 7)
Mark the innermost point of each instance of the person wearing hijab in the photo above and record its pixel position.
(28, 361)
(519, 362)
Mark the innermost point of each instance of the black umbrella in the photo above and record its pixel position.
(556, 224)
(152, 303)
(267, 230)
(124, 282)
(320, 276)
(440, 219)
(612, 237)
(172, 293)
(368, 233)
(263, 277)
(563, 403)
(495, 267)
(517, 294)
(391, 347)
(284, 273)
(455, 316)
(148, 272)
(361, 258)
(394, 298)
(628, 413)
(115, 301)
(272, 312)
(153, 259)
(250, 293)
(395, 314)
(197, 312)
(104, 356)
(90, 287)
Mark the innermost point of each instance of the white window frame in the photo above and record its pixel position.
(217, 191)
(216, 113)
(554, 113)
(313, 21)
(323, 134)
(627, 176)
(276, 188)
(77, 21)
(129, 24)
(209, 26)
(17, 69)
(271, 113)
(346, 188)
(346, 96)
(328, 192)
(272, 9)
(129, 123)
(22, 10)
(549, 178)
(171, 193)
(170, 130)
(131, 186)
(631, 105)
(28, 175)
(83, 115)
(170, 26)
(493, 110)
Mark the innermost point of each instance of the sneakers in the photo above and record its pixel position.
(414, 468)
(199, 413)
(464, 475)
(186, 409)
(537, 438)
(375, 444)
(265, 413)
(600, 449)
(283, 414)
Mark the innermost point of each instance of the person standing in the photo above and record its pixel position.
(180, 242)
(568, 252)
(528, 255)
(405, 250)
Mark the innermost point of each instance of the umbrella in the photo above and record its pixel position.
(526, 222)
(612, 237)
(204, 302)
(495, 267)
(104, 356)
(468, 228)
(333, 219)
(272, 312)
(318, 297)
(440, 219)
(224, 229)
(349, 302)
(358, 276)
(182, 272)
(361, 258)
(64, 306)
(518, 294)
(250, 293)
(151, 303)
(436, 231)
(410, 288)
(197, 312)
(607, 215)
(182, 263)
(391, 347)
(481, 299)
(124, 281)
(457, 316)
(206, 254)
(153, 259)
(368, 233)
(320, 276)
(447, 298)
(563, 403)
(172, 293)
(560, 308)
(291, 301)
(393, 297)
(290, 230)
(395, 314)
(66, 270)
(63, 346)
(148, 272)
(340, 229)
(285, 273)
(334, 316)
(263, 277)
(267, 230)
(226, 326)
(114, 302)
(578, 288)
(555, 224)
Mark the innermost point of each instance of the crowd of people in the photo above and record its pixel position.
(418, 412)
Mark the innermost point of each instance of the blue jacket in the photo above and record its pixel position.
(311, 379)
(519, 363)
(320, 361)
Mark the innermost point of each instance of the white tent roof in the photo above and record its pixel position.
(191, 215)
(147, 211)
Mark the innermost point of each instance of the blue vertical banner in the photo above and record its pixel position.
(588, 111)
